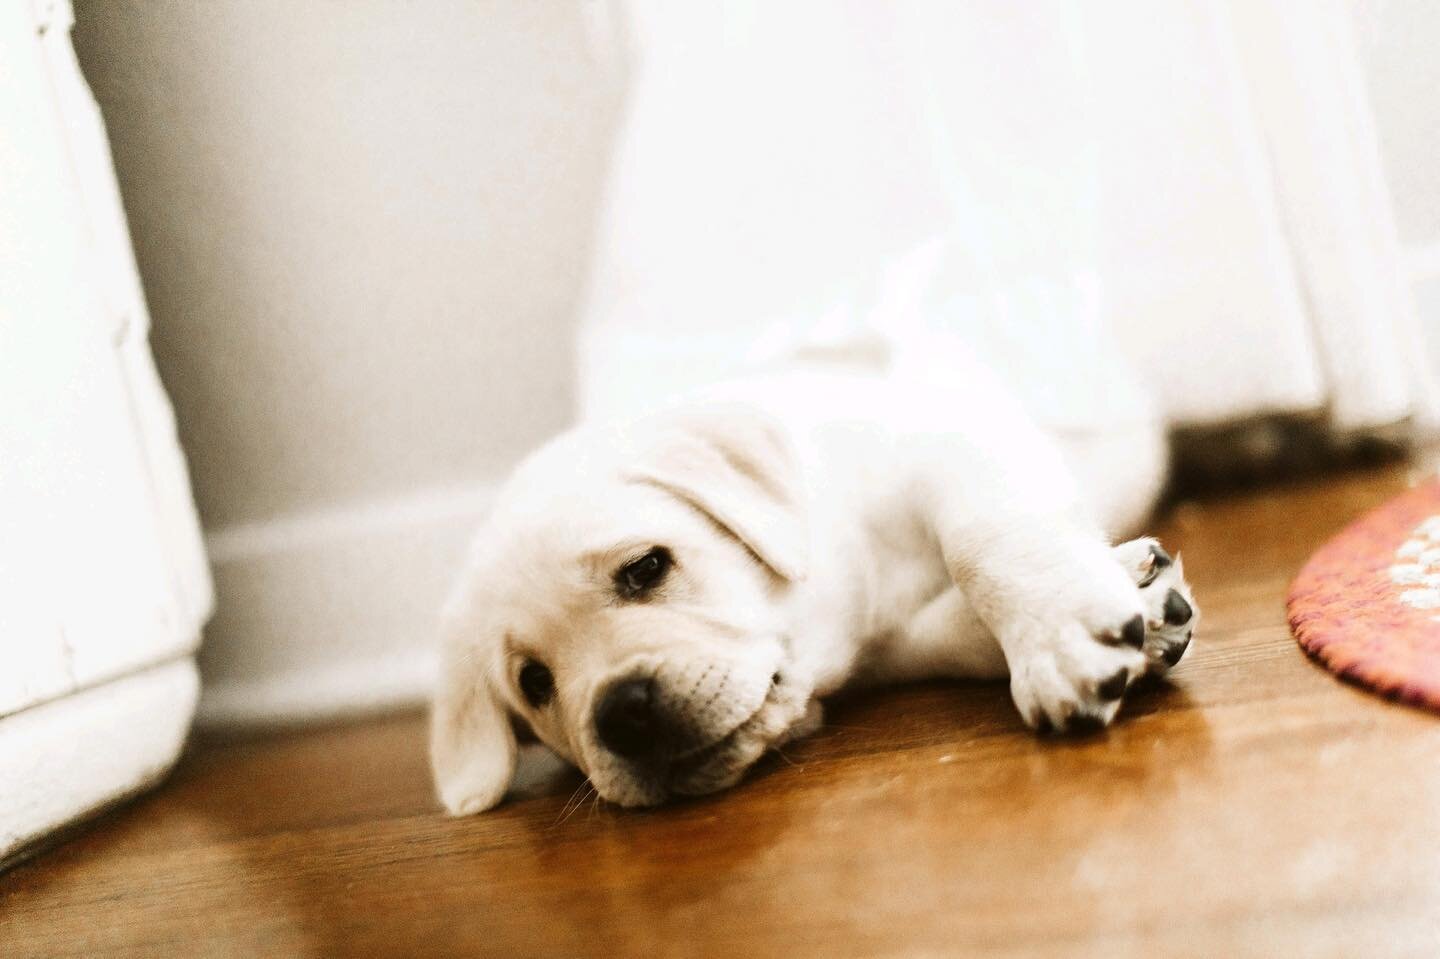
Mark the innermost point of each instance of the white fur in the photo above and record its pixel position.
(830, 527)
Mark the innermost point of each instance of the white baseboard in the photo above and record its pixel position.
(323, 690)
(334, 612)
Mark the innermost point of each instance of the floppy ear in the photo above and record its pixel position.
(734, 464)
(472, 745)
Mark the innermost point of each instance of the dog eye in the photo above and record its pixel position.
(644, 574)
(536, 683)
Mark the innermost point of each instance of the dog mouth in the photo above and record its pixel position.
(688, 763)
(713, 765)
(721, 763)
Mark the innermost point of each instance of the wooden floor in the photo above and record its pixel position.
(1255, 807)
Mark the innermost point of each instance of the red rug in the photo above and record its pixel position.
(1367, 604)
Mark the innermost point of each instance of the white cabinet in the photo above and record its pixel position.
(103, 583)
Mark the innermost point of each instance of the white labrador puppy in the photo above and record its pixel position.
(663, 600)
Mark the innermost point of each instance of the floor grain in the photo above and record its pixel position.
(1255, 807)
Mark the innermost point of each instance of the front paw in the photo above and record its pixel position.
(1071, 680)
(1072, 628)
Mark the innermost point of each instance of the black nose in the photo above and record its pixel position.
(626, 720)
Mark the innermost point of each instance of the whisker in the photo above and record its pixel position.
(788, 761)
(566, 808)
(576, 808)
(581, 803)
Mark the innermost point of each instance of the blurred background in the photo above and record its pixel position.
(389, 247)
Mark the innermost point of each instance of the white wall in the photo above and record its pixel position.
(362, 227)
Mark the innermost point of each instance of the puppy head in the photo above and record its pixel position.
(626, 600)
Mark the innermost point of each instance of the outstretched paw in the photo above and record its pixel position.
(1077, 685)
(1072, 658)
(1098, 620)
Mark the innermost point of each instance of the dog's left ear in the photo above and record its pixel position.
(472, 744)
(734, 464)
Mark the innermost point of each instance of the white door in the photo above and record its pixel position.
(103, 584)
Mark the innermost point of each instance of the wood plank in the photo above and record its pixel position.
(1254, 807)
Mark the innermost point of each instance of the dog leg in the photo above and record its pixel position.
(1065, 611)
(1019, 541)
(947, 638)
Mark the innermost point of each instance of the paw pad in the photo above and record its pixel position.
(1114, 687)
(1172, 653)
(1132, 634)
(1177, 610)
